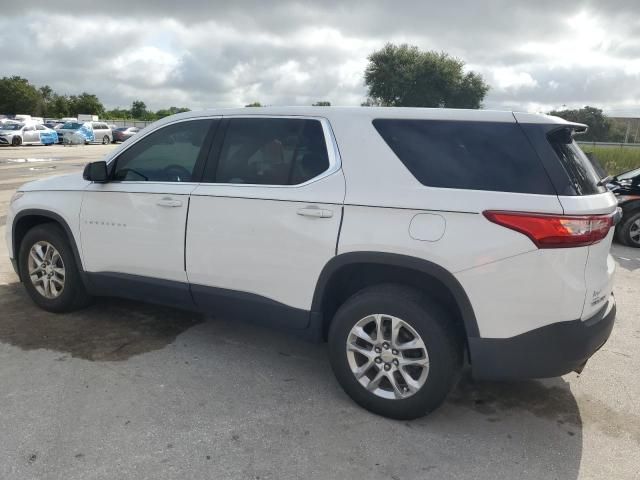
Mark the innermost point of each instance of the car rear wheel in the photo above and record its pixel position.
(105, 140)
(395, 351)
(16, 141)
(49, 271)
(629, 231)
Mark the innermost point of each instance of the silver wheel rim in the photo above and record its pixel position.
(634, 232)
(387, 356)
(46, 269)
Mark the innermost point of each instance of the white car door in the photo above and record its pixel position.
(265, 219)
(30, 134)
(133, 227)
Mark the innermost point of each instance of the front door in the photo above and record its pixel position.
(133, 227)
(265, 219)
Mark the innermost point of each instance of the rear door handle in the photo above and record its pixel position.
(169, 202)
(315, 212)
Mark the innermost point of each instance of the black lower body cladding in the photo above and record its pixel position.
(548, 351)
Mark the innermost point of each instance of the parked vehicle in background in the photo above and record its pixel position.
(87, 118)
(123, 133)
(92, 132)
(67, 129)
(102, 132)
(69, 119)
(27, 134)
(626, 187)
(53, 124)
(412, 240)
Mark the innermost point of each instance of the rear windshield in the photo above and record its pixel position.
(579, 168)
(493, 156)
(71, 126)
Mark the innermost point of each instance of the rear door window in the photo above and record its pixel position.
(270, 151)
(493, 156)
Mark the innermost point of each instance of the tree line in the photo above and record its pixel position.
(396, 76)
(18, 96)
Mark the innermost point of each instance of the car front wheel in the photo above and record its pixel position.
(395, 351)
(49, 271)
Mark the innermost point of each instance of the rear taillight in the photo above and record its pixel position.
(555, 231)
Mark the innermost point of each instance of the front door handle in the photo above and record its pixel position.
(315, 212)
(169, 202)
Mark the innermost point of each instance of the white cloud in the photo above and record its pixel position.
(231, 53)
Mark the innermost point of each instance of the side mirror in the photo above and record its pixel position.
(96, 172)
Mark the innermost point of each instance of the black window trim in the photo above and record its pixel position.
(335, 161)
(198, 169)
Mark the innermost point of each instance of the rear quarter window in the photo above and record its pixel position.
(579, 168)
(492, 156)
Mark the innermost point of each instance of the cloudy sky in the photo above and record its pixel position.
(536, 55)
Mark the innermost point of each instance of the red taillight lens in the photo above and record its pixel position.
(555, 231)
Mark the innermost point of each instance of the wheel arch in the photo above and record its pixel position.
(630, 207)
(26, 219)
(347, 273)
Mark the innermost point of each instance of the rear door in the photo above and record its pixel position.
(265, 219)
(580, 194)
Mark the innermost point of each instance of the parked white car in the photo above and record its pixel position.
(413, 240)
(30, 133)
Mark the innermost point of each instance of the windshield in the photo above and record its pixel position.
(12, 126)
(72, 126)
(122, 129)
(628, 175)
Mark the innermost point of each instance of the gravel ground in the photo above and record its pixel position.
(128, 390)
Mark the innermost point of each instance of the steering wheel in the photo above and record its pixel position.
(176, 173)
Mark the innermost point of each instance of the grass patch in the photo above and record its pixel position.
(615, 159)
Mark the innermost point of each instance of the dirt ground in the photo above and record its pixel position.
(128, 390)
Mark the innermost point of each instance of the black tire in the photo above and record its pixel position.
(74, 295)
(105, 140)
(428, 319)
(16, 141)
(623, 232)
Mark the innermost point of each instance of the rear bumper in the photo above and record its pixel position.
(549, 351)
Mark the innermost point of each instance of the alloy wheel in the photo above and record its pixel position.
(46, 270)
(634, 232)
(387, 356)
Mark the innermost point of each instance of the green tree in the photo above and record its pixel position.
(600, 126)
(18, 96)
(405, 76)
(117, 114)
(254, 104)
(85, 103)
(165, 112)
(322, 103)
(46, 96)
(59, 106)
(138, 109)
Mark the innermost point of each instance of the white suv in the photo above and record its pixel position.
(413, 240)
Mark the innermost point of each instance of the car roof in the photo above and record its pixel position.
(380, 112)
